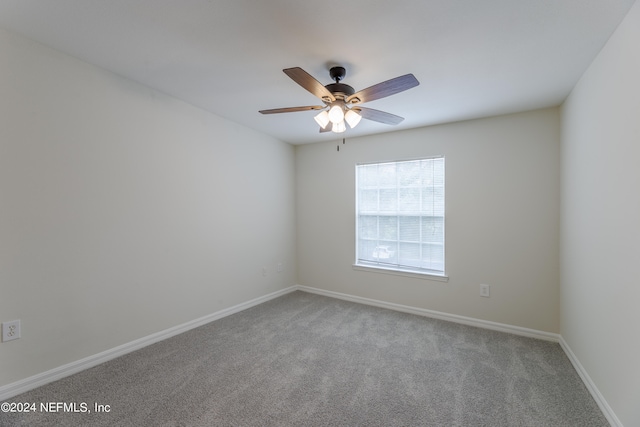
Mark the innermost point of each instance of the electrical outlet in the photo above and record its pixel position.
(264, 271)
(10, 330)
(279, 267)
(485, 291)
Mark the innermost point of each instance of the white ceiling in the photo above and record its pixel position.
(473, 58)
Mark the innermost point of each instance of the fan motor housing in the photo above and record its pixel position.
(340, 90)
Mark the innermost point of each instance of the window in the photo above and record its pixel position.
(400, 216)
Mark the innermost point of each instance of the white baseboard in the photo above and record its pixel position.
(10, 390)
(588, 382)
(516, 330)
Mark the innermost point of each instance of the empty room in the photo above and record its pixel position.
(291, 213)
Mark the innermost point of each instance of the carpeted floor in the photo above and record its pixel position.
(309, 360)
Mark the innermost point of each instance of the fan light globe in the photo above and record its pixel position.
(322, 119)
(339, 127)
(336, 115)
(352, 118)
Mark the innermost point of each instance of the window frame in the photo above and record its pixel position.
(407, 271)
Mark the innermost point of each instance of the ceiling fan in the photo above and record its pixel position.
(342, 102)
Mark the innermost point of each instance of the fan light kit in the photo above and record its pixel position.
(341, 101)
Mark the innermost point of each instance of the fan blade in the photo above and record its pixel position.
(384, 89)
(307, 81)
(293, 109)
(378, 116)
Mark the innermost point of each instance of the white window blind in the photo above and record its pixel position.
(400, 215)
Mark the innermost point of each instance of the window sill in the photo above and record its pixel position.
(406, 273)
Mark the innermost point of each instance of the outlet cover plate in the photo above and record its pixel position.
(485, 291)
(10, 330)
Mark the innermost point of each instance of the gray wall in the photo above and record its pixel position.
(600, 253)
(502, 218)
(124, 212)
